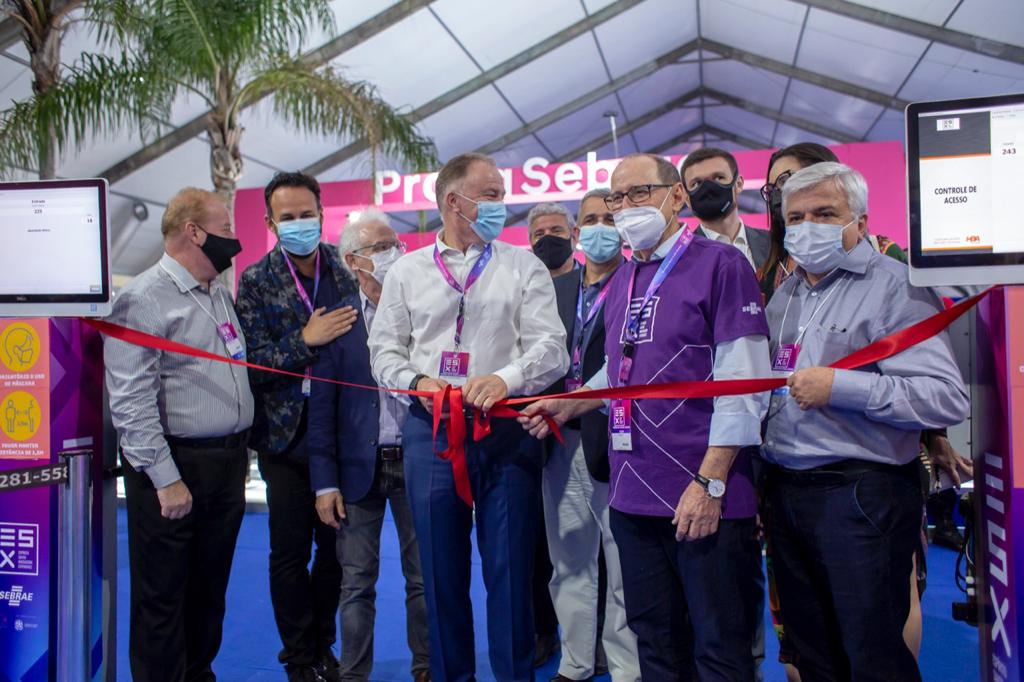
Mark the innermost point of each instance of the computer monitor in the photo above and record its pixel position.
(965, 188)
(55, 256)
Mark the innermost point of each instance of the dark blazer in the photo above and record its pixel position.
(272, 316)
(593, 426)
(344, 421)
(760, 243)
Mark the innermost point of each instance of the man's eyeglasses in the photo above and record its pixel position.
(379, 247)
(768, 188)
(637, 194)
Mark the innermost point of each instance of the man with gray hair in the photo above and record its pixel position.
(355, 459)
(842, 492)
(553, 235)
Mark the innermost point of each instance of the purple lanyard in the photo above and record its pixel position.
(577, 351)
(298, 285)
(474, 275)
(633, 321)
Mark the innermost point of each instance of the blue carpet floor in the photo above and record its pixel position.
(249, 652)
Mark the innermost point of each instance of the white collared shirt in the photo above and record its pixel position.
(512, 328)
(740, 242)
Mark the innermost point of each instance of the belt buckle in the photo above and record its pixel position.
(391, 453)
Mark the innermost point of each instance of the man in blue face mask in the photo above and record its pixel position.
(287, 308)
(843, 500)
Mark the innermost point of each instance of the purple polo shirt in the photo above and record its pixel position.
(710, 297)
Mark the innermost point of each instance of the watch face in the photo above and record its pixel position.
(716, 488)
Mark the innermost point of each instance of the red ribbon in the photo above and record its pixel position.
(449, 399)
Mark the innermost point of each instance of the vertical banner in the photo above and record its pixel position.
(51, 375)
(998, 416)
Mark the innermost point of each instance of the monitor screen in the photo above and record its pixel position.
(965, 173)
(54, 260)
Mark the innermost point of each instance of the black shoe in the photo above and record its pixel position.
(329, 667)
(305, 674)
(948, 535)
(544, 648)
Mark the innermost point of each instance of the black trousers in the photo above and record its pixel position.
(180, 568)
(305, 601)
(842, 545)
(693, 605)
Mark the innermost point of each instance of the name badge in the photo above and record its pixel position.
(231, 341)
(621, 425)
(307, 386)
(454, 367)
(785, 357)
(573, 385)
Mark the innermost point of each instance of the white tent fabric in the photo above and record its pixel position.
(677, 74)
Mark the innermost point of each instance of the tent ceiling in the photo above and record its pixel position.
(536, 78)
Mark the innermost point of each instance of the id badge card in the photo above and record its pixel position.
(232, 343)
(307, 385)
(454, 367)
(620, 419)
(785, 357)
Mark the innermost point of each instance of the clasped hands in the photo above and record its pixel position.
(481, 392)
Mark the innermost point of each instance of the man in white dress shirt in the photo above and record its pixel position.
(480, 314)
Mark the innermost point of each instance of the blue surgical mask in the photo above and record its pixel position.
(816, 247)
(490, 218)
(601, 243)
(299, 237)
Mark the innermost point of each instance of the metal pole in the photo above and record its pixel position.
(73, 654)
(611, 115)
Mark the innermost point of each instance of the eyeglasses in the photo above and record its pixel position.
(768, 188)
(637, 194)
(381, 247)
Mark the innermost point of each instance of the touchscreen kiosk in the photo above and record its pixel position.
(54, 261)
(965, 174)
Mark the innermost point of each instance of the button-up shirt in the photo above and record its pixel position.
(154, 394)
(512, 328)
(393, 411)
(740, 242)
(876, 412)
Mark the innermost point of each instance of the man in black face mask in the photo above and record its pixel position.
(183, 425)
(553, 235)
(713, 185)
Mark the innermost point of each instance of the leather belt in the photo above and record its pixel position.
(390, 453)
(235, 440)
(845, 469)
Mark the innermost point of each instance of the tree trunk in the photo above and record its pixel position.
(225, 168)
(44, 60)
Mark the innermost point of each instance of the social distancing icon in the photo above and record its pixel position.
(19, 415)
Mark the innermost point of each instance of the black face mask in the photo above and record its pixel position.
(711, 200)
(220, 250)
(553, 251)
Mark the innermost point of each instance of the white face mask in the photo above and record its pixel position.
(641, 226)
(382, 262)
(816, 247)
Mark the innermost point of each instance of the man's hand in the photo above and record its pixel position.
(323, 327)
(330, 507)
(175, 500)
(431, 385)
(944, 457)
(483, 391)
(811, 387)
(560, 410)
(697, 514)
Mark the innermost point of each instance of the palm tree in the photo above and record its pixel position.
(43, 23)
(229, 54)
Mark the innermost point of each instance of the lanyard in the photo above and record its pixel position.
(581, 324)
(298, 285)
(210, 315)
(474, 275)
(633, 321)
(819, 306)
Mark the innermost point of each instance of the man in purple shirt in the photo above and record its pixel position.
(681, 491)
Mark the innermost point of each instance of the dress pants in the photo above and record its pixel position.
(692, 604)
(576, 517)
(359, 555)
(504, 471)
(305, 601)
(180, 568)
(842, 545)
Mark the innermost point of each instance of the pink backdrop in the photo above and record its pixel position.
(882, 164)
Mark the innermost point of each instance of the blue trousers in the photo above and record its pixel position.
(504, 472)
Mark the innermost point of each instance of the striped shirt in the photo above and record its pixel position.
(153, 393)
